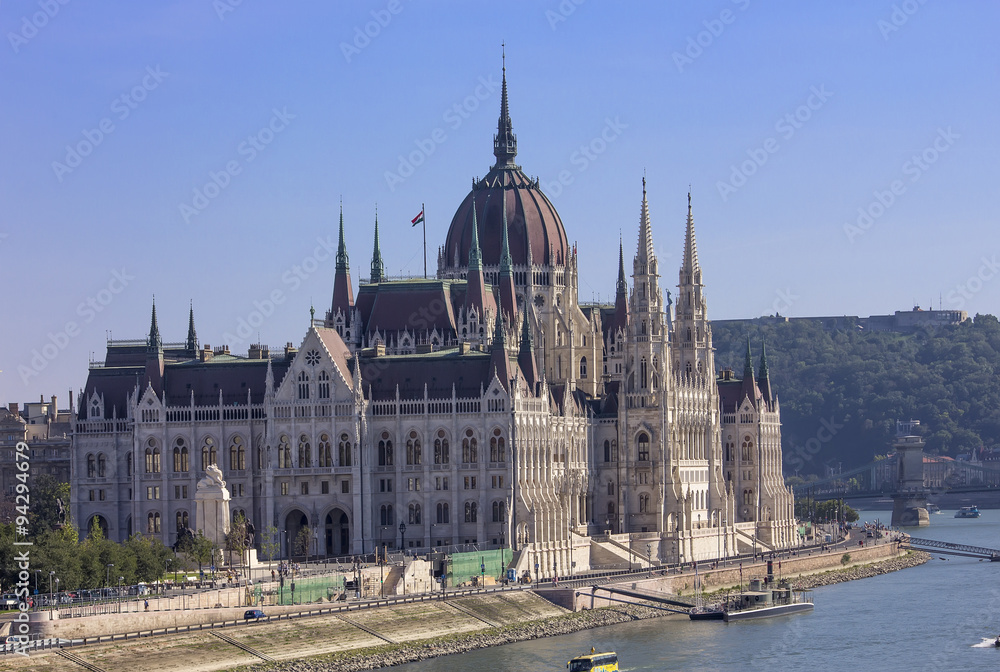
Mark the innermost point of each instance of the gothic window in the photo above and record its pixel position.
(344, 450)
(559, 366)
(688, 334)
(614, 450)
(469, 448)
(471, 512)
(303, 385)
(324, 385)
(385, 514)
(413, 452)
(237, 454)
(413, 514)
(643, 503)
(152, 457)
(442, 513)
(499, 512)
(687, 368)
(153, 522)
(441, 448)
(746, 450)
(701, 367)
(697, 333)
(208, 453)
(92, 466)
(385, 451)
(312, 357)
(101, 465)
(128, 465)
(305, 451)
(324, 452)
(642, 443)
(284, 452)
(181, 521)
(644, 327)
(607, 450)
(642, 373)
(583, 367)
(611, 488)
(180, 455)
(497, 447)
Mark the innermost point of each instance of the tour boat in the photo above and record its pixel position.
(759, 601)
(967, 512)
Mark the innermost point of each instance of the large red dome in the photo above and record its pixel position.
(534, 228)
(532, 223)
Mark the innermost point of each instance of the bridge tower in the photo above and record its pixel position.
(909, 507)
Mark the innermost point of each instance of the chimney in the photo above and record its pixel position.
(71, 409)
(206, 353)
(53, 409)
(13, 407)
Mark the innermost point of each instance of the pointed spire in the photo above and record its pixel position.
(508, 300)
(690, 262)
(646, 252)
(475, 253)
(343, 263)
(620, 319)
(527, 340)
(762, 371)
(192, 337)
(748, 365)
(622, 284)
(378, 267)
(763, 376)
(504, 142)
(154, 342)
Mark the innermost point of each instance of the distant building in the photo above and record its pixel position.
(46, 430)
(903, 321)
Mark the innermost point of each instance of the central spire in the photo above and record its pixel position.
(504, 142)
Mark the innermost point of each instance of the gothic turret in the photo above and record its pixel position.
(749, 388)
(343, 292)
(475, 294)
(763, 377)
(526, 353)
(191, 344)
(692, 330)
(620, 319)
(508, 301)
(499, 360)
(378, 267)
(154, 355)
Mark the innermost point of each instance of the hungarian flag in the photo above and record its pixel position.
(419, 218)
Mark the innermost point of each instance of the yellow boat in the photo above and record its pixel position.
(594, 662)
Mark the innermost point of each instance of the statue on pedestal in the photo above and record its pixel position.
(211, 500)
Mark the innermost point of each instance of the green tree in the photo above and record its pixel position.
(302, 541)
(270, 545)
(203, 551)
(46, 495)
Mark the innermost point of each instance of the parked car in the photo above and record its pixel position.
(9, 601)
(254, 615)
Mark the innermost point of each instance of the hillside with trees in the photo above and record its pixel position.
(842, 390)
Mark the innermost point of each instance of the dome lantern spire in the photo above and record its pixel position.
(504, 142)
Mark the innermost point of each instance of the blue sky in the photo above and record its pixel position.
(842, 156)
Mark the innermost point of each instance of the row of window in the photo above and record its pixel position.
(443, 513)
(442, 448)
(181, 456)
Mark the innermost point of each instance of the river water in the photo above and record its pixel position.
(937, 617)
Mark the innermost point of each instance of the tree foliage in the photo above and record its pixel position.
(842, 390)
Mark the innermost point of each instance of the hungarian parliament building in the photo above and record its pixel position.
(485, 408)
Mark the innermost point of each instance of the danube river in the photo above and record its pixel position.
(933, 617)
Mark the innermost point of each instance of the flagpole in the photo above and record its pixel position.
(424, 211)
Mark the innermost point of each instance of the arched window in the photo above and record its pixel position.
(471, 512)
(642, 373)
(92, 466)
(153, 522)
(385, 451)
(469, 448)
(413, 514)
(441, 451)
(180, 455)
(413, 452)
(497, 447)
(303, 385)
(583, 367)
(324, 451)
(643, 503)
(607, 450)
(237, 454)
(442, 513)
(500, 511)
(102, 465)
(284, 452)
(180, 521)
(305, 451)
(208, 453)
(746, 450)
(687, 368)
(152, 457)
(324, 385)
(128, 465)
(344, 450)
(385, 514)
(642, 445)
(688, 334)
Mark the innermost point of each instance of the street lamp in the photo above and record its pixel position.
(402, 537)
(649, 557)
(52, 573)
(120, 579)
